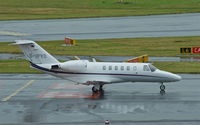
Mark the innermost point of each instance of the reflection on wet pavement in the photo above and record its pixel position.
(49, 100)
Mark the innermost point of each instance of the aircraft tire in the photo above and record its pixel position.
(101, 88)
(162, 87)
(94, 90)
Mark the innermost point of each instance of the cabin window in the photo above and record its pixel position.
(104, 67)
(122, 67)
(116, 67)
(110, 67)
(134, 68)
(146, 68)
(128, 68)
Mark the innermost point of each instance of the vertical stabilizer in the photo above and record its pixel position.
(34, 53)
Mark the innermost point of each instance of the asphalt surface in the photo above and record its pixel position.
(43, 99)
(100, 28)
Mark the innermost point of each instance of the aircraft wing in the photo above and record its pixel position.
(95, 79)
(92, 58)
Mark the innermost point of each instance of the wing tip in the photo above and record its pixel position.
(20, 42)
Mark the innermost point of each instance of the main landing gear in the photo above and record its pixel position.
(98, 91)
(97, 88)
(162, 89)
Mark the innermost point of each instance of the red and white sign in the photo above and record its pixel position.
(195, 49)
(68, 41)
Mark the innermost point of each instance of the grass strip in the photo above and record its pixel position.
(51, 9)
(16, 66)
(179, 67)
(159, 47)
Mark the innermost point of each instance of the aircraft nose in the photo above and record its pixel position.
(176, 77)
(172, 77)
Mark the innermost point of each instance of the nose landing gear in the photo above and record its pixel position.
(162, 89)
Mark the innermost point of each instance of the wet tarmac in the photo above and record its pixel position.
(43, 99)
(7, 56)
(101, 28)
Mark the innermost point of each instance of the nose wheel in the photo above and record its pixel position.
(162, 89)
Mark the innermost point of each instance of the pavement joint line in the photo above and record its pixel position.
(17, 91)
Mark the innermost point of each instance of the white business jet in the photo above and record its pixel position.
(94, 73)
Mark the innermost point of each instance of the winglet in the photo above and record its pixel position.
(22, 42)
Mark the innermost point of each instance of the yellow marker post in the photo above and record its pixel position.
(74, 42)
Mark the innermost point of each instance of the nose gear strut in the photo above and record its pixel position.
(162, 89)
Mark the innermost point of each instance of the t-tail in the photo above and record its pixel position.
(34, 53)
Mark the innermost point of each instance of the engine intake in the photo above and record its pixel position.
(55, 67)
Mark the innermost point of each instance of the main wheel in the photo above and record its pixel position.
(94, 89)
(101, 87)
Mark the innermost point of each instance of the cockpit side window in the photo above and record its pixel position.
(146, 68)
(152, 68)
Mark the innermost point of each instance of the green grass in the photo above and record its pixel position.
(16, 66)
(48, 9)
(164, 47)
(179, 67)
(22, 66)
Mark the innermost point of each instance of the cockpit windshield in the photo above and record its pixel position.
(152, 68)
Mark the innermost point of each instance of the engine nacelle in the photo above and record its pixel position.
(74, 65)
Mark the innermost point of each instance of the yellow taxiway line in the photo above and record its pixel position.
(17, 91)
